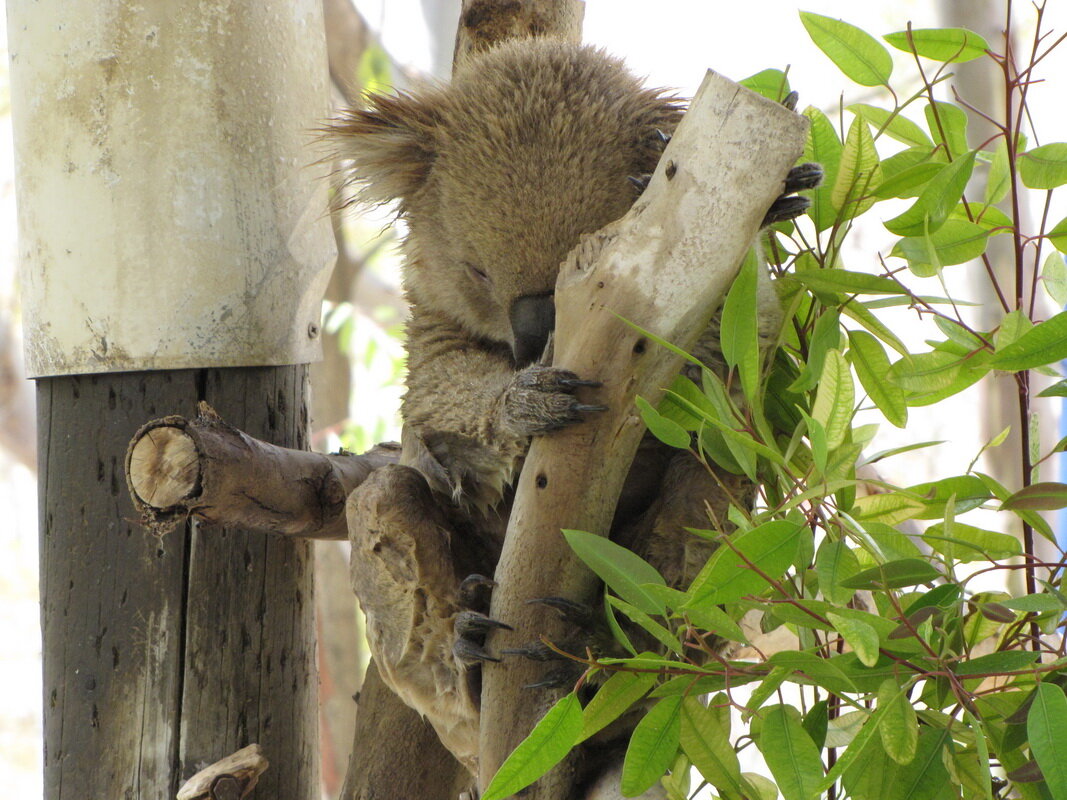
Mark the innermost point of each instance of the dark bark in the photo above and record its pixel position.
(396, 753)
(163, 654)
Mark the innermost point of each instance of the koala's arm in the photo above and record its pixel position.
(453, 410)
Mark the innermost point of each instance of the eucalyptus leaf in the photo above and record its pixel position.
(940, 196)
(790, 753)
(707, 744)
(872, 365)
(652, 747)
(547, 744)
(621, 569)
(856, 53)
(615, 697)
(858, 172)
(823, 147)
(1044, 167)
(894, 125)
(835, 399)
(771, 547)
(940, 44)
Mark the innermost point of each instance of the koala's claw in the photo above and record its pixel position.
(786, 208)
(573, 383)
(665, 138)
(570, 611)
(639, 182)
(803, 176)
(584, 409)
(470, 653)
(562, 677)
(541, 400)
(791, 100)
(534, 651)
(789, 206)
(470, 629)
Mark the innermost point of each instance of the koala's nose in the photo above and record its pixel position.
(532, 319)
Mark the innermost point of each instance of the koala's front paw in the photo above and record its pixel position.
(587, 632)
(789, 205)
(541, 400)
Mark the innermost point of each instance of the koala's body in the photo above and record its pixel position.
(498, 175)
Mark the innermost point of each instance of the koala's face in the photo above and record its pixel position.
(502, 172)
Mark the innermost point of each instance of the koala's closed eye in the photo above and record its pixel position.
(477, 275)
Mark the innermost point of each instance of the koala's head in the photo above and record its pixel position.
(499, 173)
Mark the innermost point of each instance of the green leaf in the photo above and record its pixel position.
(861, 637)
(1044, 167)
(548, 743)
(1058, 235)
(622, 570)
(845, 282)
(956, 242)
(772, 547)
(894, 575)
(968, 543)
(1054, 277)
(889, 508)
(856, 53)
(940, 44)
(858, 747)
(714, 619)
(826, 336)
(925, 777)
(771, 83)
(1045, 343)
(909, 182)
(894, 125)
(822, 147)
(1036, 603)
(940, 196)
(707, 744)
(790, 753)
(989, 217)
(1046, 496)
(1012, 327)
(948, 126)
(818, 670)
(834, 563)
(835, 399)
(640, 618)
(739, 326)
(861, 314)
(616, 696)
(996, 663)
(858, 173)
(968, 492)
(998, 181)
(929, 377)
(666, 430)
(900, 728)
(652, 748)
(872, 365)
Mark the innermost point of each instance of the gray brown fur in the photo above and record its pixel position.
(502, 171)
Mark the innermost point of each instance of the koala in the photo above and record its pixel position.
(498, 175)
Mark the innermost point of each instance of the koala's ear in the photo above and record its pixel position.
(389, 146)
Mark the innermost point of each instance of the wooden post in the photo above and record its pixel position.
(170, 233)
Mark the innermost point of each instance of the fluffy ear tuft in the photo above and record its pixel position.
(388, 147)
